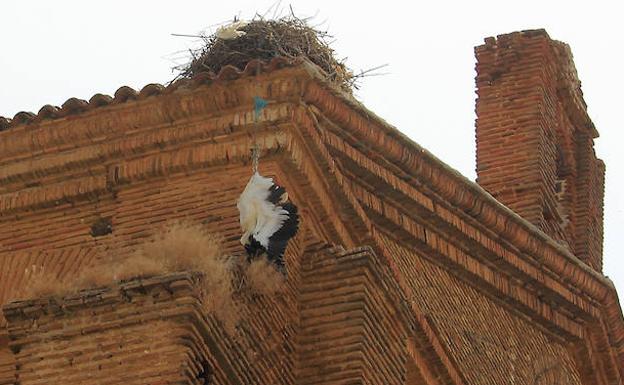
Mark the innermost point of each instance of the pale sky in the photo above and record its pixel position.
(54, 50)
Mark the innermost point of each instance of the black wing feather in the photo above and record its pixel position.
(279, 240)
(275, 194)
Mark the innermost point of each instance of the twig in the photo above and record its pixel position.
(185, 35)
(362, 73)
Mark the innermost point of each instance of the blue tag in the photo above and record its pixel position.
(259, 105)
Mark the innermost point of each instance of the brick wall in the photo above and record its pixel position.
(144, 332)
(63, 243)
(150, 331)
(7, 360)
(489, 344)
(349, 329)
(535, 140)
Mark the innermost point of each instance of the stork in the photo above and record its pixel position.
(268, 219)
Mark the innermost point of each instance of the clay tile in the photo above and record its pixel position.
(179, 83)
(74, 106)
(22, 117)
(4, 123)
(228, 72)
(254, 67)
(124, 94)
(203, 78)
(151, 90)
(100, 100)
(278, 62)
(48, 112)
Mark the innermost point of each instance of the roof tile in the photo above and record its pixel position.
(100, 100)
(152, 89)
(23, 117)
(49, 112)
(124, 94)
(4, 123)
(74, 106)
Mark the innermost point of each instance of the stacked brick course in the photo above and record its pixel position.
(99, 337)
(535, 141)
(348, 332)
(7, 361)
(479, 329)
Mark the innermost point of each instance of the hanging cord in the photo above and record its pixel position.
(255, 151)
(259, 105)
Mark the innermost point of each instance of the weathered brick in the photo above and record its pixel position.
(535, 140)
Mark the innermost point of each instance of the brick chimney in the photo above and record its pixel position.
(535, 149)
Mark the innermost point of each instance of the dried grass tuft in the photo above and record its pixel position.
(263, 278)
(187, 247)
(136, 266)
(184, 246)
(288, 36)
(42, 283)
(92, 277)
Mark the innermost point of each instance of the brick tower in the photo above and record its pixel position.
(535, 140)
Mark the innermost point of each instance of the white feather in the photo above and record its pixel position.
(230, 31)
(258, 216)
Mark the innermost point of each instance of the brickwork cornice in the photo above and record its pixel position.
(413, 168)
(159, 117)
(418, 167)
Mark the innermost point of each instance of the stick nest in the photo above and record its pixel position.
(288, 37)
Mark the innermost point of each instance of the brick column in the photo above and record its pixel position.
(350, 331)
(535, 140)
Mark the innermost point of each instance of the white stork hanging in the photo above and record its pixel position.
(268, 219)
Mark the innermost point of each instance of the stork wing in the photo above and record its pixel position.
(269, 220)
(258, 215)
(255, 192)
